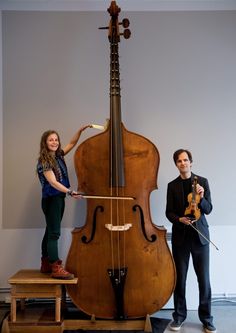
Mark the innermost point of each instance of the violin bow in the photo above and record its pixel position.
(191, 223)
(108, 197)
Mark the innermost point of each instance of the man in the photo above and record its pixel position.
(186, 240)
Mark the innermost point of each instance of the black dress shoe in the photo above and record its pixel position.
(175, 325)
(209, 328)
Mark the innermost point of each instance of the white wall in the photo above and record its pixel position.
(178, 78)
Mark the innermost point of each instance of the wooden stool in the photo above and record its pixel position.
(31, 283)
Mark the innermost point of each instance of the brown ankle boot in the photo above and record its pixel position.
(46, 266)
(58, 272)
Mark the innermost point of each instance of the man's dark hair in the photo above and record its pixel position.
(180, 151)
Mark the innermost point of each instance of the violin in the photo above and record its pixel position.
(193, 211)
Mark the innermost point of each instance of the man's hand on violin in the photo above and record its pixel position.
(186, 220)
(200, 190)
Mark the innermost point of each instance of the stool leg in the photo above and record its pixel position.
(13, 309)
(58, 309)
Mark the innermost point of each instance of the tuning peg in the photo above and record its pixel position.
(126, 33)
(124, 23)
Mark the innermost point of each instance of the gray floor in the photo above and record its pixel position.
(224, 319)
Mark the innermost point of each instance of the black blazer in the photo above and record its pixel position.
(175, 208)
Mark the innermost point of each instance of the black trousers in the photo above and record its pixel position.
(200, 258)
(53, 208)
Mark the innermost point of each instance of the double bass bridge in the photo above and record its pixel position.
(124, 227)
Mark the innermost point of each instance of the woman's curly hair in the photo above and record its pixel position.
(45, 158)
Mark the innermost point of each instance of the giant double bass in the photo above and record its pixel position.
(122, 260)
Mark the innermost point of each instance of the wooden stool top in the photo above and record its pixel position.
(34, 276)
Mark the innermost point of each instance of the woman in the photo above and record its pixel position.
(53, 176)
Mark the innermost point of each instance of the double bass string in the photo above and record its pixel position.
(124, 233)
(117, 218)
(117, 207)
(111, 205)
(114, 212)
